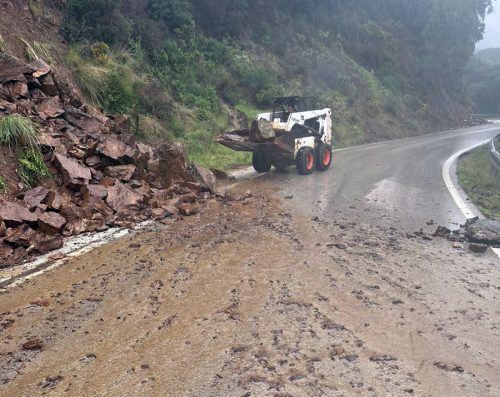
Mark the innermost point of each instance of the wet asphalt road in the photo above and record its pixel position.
(396, 183)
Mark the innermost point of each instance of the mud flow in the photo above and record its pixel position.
(253, 298)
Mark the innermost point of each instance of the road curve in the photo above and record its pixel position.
(395, 183)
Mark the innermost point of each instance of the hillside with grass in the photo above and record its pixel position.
(183, 70)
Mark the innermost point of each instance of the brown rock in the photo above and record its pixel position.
(22, 235)
(187, 209)
(35, 197)
(98, 191)
(121, 197)
(204, 176)
(11, 69)
(83, 120)
(478, 248)
(121, 172)
(33, 344)
(116, 150)
(73, 172)
(47, 245)
(159, 213)
(14, 214)
(17, 89)
(40, 67)
(121, 124)
(51, 107)
(48, 85)
(6, 252)
(3, 228)
(261, 130)
(172, 165)
(51, 222)
(93, 161)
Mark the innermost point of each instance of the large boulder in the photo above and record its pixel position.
(23, 236)
(11, 69)
(40, 67)
(51, 222)
(121, 197)
(204, 176)
(261, 130)
(50, 107)
(98, 191)
(14, 214)
(121, 172)
(73, 172)
(116, 150)
(48, 244)
(37, 197)
(172, 165)
(82, 120)
(484, 231)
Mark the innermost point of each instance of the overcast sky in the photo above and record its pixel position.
(492, 36)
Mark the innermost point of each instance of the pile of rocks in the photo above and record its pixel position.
(102, 176)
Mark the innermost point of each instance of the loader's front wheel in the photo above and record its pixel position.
(305, 160)
(261, 162)
(323, 156)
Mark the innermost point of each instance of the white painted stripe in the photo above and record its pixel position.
(468, 213)
(460, 202)
(73, 247)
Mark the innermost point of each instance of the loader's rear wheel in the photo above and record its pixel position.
(261, 162)
(305, 161)
(323, 156)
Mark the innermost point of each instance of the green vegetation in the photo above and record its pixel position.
(3, 185)
(18, 131)
(483, 84)
(32, 167)
(481, 181)
(490, 56)
(175, 65)
(37, 50)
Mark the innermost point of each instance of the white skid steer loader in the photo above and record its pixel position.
(291, 134)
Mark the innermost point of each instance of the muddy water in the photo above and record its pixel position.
(251, 298)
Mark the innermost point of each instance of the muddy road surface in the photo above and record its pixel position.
(259, 296)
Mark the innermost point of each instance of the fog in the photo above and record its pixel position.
(492, 34)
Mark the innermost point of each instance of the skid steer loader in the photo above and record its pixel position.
(293, 133)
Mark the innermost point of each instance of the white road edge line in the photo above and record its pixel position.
(459, 201)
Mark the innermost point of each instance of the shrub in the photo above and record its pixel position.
(3, 185)
(16, 130)
(32, 167)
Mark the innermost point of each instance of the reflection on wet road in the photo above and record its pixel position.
(396, 182)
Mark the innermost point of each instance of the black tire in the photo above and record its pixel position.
(323, 156)
(260, 162)
(305, 161)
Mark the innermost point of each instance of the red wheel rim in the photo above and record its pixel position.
(310, 161)
(327, 156)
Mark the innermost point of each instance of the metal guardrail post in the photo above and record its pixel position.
(494, 154)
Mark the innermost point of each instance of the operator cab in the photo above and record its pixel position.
(283, 107)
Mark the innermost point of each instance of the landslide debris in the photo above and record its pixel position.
(101, 175)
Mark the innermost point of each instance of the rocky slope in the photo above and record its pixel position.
(102, 176)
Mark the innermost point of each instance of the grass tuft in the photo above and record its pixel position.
(16, 130)
(37, 50)
(3, 185)
(32, 168)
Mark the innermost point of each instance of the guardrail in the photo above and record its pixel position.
(494, 153)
